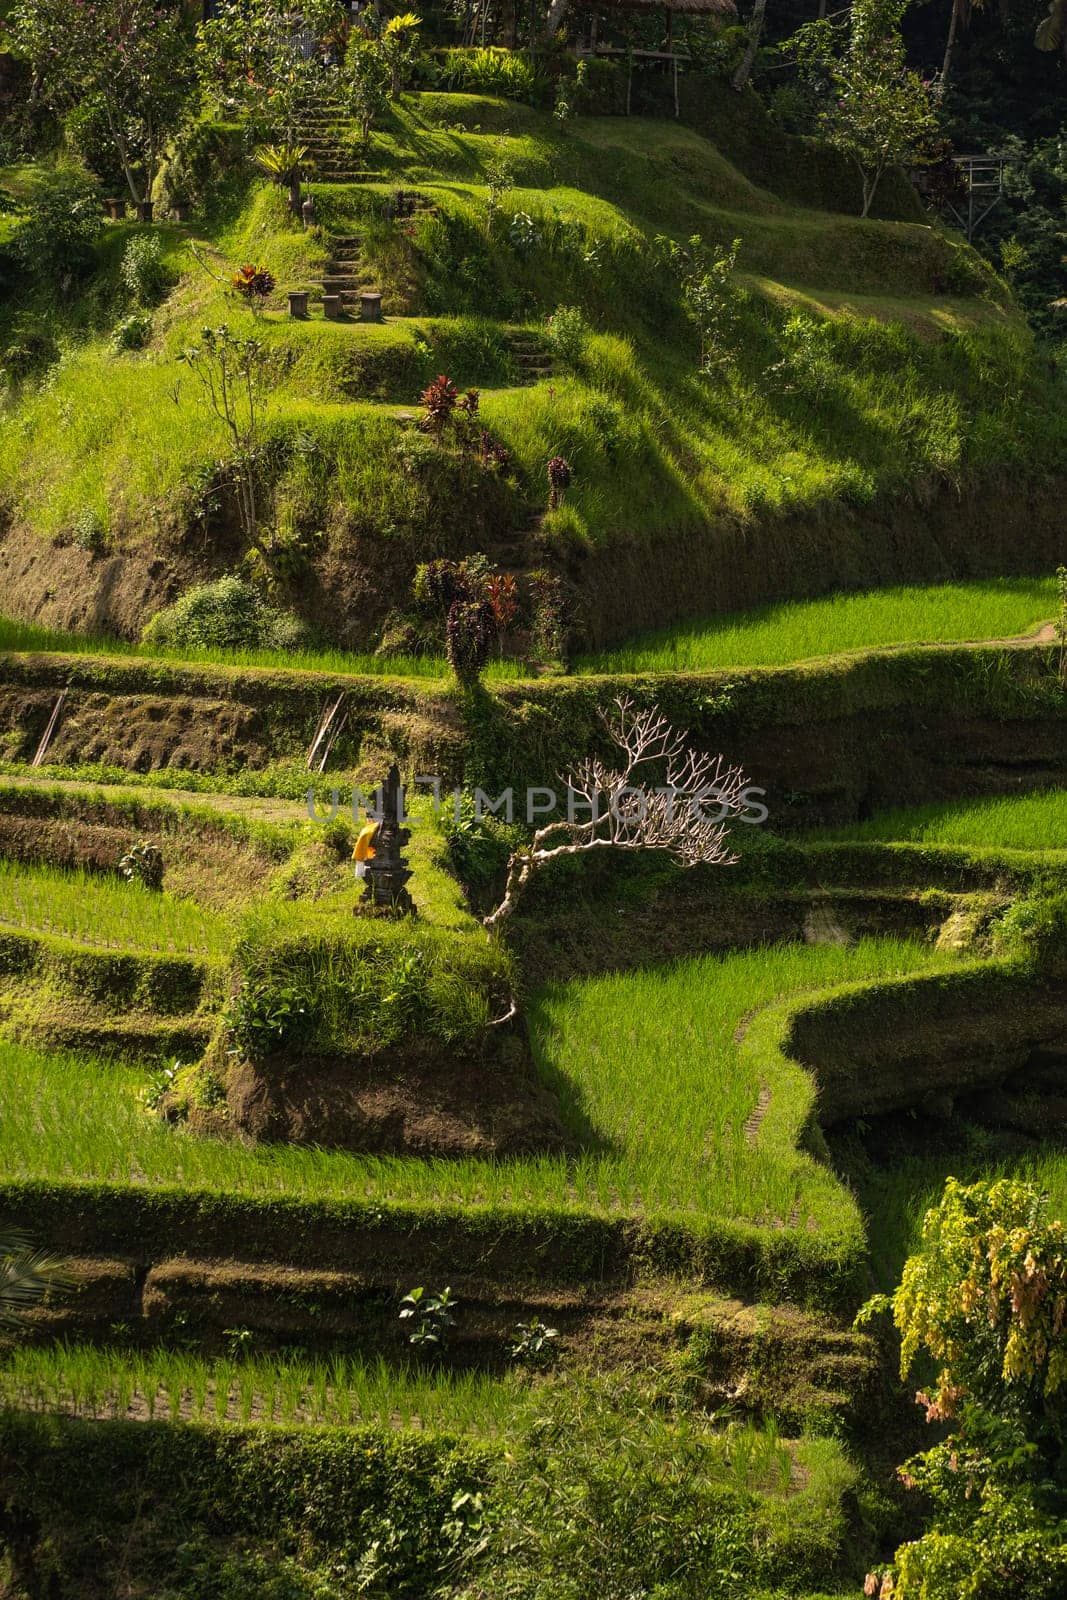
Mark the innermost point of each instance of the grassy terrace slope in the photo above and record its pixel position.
(908, 374)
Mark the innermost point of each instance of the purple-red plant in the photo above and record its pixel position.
(503, 595)
(469, 638)
(440, 399)
(254, 284)
(559, 481)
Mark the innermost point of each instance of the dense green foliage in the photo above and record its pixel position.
(984, 1299)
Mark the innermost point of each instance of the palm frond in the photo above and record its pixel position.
(26, 1275)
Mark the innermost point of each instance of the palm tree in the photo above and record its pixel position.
(755, 34)
(959, 22)
(26, 1275)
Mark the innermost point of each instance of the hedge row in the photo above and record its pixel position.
(223, 1511)
(394, 1243)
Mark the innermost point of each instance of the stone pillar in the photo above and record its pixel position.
(387, 874)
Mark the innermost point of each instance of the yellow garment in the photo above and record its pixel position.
(365, 843)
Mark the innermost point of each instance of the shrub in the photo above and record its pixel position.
(431, 1317)
(440, 399)
(263, 1017)
(524, 236)
(142, 270)
(143, 863)
(550, 617)
(56, 240)
(489, 71)
(479, 846)
(90, 531)
(132, 333)
(254, 284)
(228, 614)
(567, 333)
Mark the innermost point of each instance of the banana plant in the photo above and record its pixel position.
(1052, 30)
(285, 164)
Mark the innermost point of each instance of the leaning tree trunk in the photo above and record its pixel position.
(755, 33)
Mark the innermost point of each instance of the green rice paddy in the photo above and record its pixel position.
(106, 912)
(799, 630)
(178, 1385)
(30, 636)
(1013, 822)
(767, 636)
(647, 1072)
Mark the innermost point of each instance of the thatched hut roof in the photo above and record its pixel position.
(689, 8)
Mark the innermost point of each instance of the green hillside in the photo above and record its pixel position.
(869, 359)
(533, 830)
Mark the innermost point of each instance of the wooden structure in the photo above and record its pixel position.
(984, 177)
(669, 53)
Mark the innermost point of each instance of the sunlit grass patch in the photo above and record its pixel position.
(105, 912)
(798, 630)
(1010, 822)
(179, 1385)
(645, 1065)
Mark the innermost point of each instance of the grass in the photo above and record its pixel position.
(342, 1391)
(31, 637)
(106, 912)
(1010, 822)
(776, 635)
(645, 1066)
(798, 630)
(94, 1381)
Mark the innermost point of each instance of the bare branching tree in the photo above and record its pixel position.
(622, 806)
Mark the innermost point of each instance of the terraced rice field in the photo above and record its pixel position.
(646, 1066)
(105, 912)
(799, 630)
(1013, 822)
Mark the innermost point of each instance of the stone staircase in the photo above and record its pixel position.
(328, 132)
(341, 272)
(531, 355)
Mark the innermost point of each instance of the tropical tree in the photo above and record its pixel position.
(984, 1300)
(26, 1276)
(959, 22)
(253, 58)
(400, 43)
(130, 58)
(366, 82)
(876, 111)
(755, 34)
